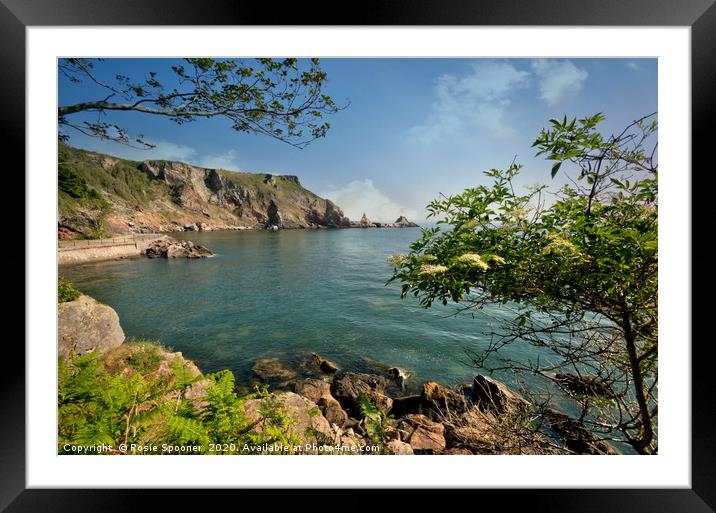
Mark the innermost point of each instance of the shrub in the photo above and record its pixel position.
(66, 291)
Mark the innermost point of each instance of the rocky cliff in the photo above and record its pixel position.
(100, 195)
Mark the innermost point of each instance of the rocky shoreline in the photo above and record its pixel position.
(334, 408)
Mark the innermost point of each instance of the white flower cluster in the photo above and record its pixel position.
(473, 260)
(558, 243)
(431, 270)
(398, 261)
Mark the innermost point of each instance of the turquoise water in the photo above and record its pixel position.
(288, 293)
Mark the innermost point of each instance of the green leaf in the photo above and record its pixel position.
(555, 168)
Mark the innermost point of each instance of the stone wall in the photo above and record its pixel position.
(82, 251)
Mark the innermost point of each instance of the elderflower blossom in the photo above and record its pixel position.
(473, 260)
(469, 225)
(497, 258)
(431, 270)
(559, 244)
(425, 258)
(398, 261)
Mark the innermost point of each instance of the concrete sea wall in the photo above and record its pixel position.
(82, 251)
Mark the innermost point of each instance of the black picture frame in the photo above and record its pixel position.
(700, 15)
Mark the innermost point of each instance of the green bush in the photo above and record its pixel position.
(123, 398)
(66, 291)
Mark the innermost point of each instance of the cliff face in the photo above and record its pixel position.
(99, 194)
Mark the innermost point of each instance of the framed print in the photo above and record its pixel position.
(427, 241)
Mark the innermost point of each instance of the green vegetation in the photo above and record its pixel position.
(66, 291)
(280, 98)
(136, 394)
(376, 420)
(576, 279)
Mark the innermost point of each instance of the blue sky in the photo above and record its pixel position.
(414, 128)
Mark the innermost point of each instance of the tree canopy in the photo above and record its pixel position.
(281, 98)
(577, 271)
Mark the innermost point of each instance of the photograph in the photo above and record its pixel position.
(360, 256)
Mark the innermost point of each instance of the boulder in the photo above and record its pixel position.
(462, 451)
(442, 401)
(584, 385)
(399, 375)
(492, 395)
(332, 410)
(171, 248)
(84, 325)
(309, 425)
(347, 387)
(576, 437)
(422, 434)
(312, 389)
(398, 447)
(326, 366)
(406, 405)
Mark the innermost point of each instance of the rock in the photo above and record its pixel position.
(272, 369)
(458, 451)
(492, 395)
(576, 437)
(398, 447)
(84, 325)
(309, 425)
(312, 389)
(402, 222)
(332, 410)
(365, 222)
(347, 387)
(274, 218)
(326, 366)
(442, 401)
(406, 405)
(471, 429)
(584, 385)
(170, 248)
(176, 251)
(423, 434)
(399, 375)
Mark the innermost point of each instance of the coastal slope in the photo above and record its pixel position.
(101, 195)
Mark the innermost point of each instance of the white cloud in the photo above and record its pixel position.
(559, 80)
(226, 160)
(477, 99)
(362, 196)
(164, 150)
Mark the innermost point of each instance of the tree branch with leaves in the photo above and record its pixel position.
(575, 281)
(280, 98)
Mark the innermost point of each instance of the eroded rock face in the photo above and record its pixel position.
(85, 325)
